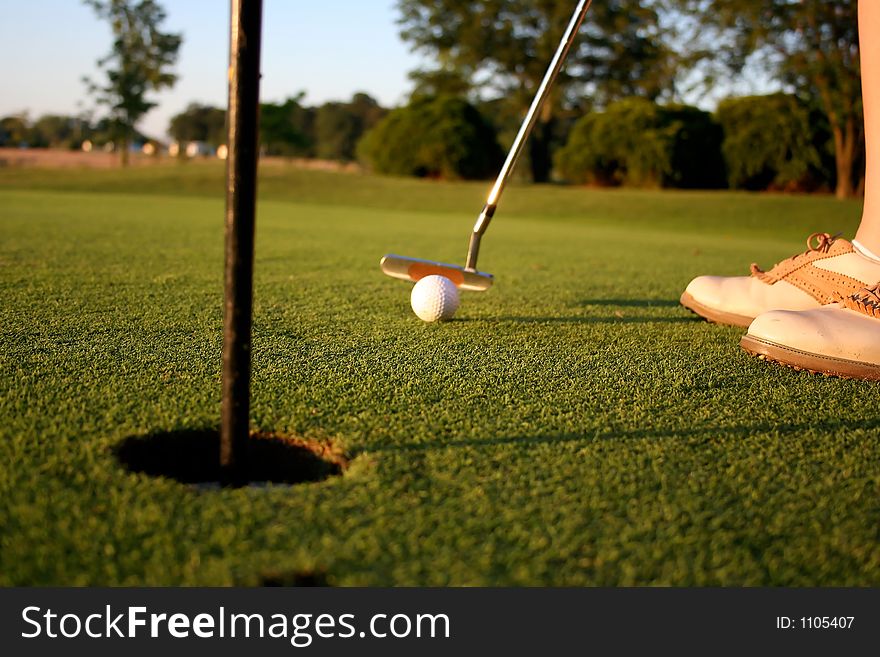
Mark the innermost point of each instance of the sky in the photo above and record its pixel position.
(328, 48)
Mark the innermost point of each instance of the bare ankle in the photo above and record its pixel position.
(869, 250)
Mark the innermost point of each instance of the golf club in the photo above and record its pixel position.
(467, 277)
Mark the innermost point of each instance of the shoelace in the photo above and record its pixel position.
(824, 241)
(873, 293)
(866, 300)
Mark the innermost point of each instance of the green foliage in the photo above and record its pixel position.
(697, 162)
(625, 144)
(199, 123)
(14, 131)
(54, 131)
(502, 48)
(287, 129)
(619, 51)
(58, 131)
(812, 47)
(139, 62)
(768, 141)
(823, 176)
(291, 128)
(436, 137)
(638, 143)
(106, 131)
(440, 82)
(337, 132)
(339, 126)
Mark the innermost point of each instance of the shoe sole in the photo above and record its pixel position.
(805, 361)
(712, 315)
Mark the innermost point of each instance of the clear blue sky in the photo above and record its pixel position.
(327, 48)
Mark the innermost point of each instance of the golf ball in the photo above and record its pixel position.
(434, 298)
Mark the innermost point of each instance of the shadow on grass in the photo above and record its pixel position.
(619, 317)
(193, 457)
(708, 432)
(632, 303)
(614, 319)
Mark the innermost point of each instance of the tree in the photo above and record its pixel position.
(287, 129)
(140, 61)
(503, 47)
(199, 123)
(339, 126)
(768, 141)
(14, 130)
(811, 47)
(337, 131)
(639, 143)
(440, 82)
(104, 132)
(367, 109)
(433, 137)
(48, 131)
(53, 131)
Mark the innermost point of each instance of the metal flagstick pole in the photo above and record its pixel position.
(241, 186)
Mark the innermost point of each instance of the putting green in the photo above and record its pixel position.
(573, 426)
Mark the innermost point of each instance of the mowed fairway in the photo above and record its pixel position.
(573, 426)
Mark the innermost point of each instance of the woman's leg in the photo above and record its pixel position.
(831, 268)
(841, 338)
(868, 235)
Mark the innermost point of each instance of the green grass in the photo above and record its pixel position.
(574, 426)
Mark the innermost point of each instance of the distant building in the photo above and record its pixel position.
(198, 149)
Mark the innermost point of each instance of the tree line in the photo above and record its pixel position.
(489, 57)
(658, 50)
(765, 142)
(753, 142)
(54, 131)
(330, 131)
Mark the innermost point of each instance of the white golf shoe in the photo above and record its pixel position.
(830, 269)
(839, 339)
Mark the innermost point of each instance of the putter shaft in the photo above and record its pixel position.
(467, 277)
(525, 130)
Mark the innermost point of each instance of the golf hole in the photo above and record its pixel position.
(193, 457)
(296, 578)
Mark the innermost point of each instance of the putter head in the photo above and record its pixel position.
(415, 269)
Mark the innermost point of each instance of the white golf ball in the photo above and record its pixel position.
(434, 298)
